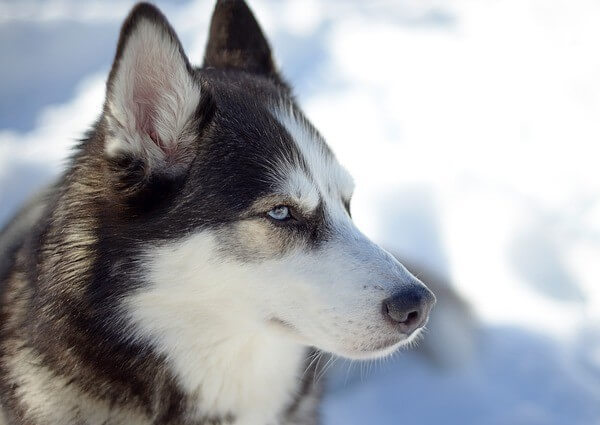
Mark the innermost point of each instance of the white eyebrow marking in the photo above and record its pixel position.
(326, 178)
(300, 187)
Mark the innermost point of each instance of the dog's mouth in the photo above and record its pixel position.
(287, 329)
(275, 321)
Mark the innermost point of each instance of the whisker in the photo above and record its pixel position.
(329, 363)
(319, 357)
(314, 356)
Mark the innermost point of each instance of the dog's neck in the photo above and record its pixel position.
(252, 378)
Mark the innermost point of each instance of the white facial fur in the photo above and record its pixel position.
(197, 314)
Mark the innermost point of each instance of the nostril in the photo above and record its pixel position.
(412, 317)
(395, 309)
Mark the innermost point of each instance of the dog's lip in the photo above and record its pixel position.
(281, 322)
(286, 328)
(284, 325)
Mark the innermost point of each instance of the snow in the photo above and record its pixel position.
(472, 131)
(509, 384)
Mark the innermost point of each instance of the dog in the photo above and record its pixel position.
(197, 252)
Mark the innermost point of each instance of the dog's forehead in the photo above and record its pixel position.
(260, 121)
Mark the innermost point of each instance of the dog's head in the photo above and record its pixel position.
(243, 210)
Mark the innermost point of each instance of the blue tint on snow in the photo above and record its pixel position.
(43, 62)
(516, 378)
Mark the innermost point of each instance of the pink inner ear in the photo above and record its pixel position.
(154, 136)
(152, 99)
(144, 99)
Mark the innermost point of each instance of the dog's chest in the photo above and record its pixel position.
(252, 386)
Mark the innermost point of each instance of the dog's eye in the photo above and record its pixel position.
(280, 213)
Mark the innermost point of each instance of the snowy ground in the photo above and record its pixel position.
(472, 130)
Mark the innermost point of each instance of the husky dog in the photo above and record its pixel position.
(196, 251)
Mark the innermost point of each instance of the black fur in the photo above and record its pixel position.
(237, 42)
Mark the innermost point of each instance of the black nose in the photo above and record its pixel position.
(409, 308)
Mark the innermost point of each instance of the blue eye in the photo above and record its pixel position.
(280, 213)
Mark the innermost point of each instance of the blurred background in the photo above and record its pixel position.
(472, 129)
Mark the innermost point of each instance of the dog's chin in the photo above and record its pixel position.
(384, 348)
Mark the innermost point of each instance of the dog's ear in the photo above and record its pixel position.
(152, 100)
(236, 41)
